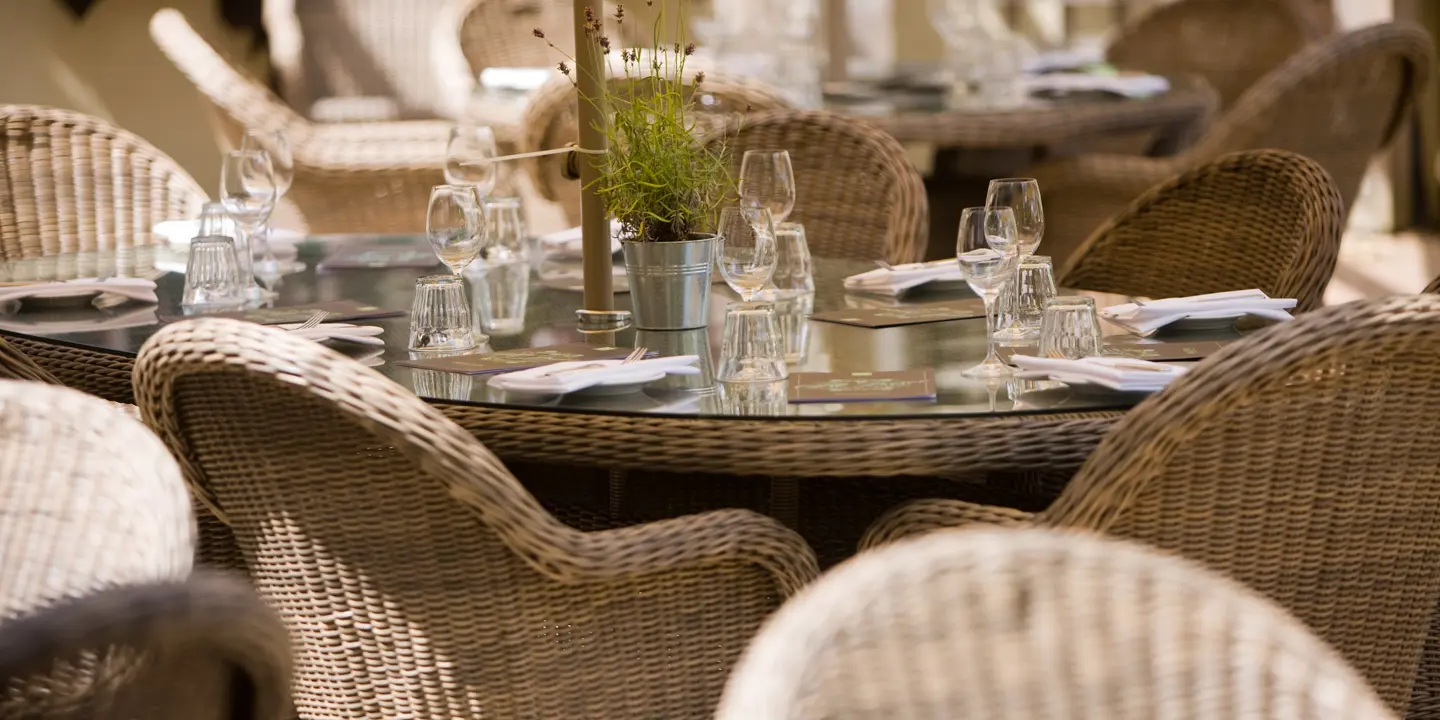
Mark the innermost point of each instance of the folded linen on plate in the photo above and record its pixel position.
(567, 377)
(1123, 85)
(567, 244)
(137, 289)
(1123, 374)
(361, 334)
(896, 279)
(1144, 318)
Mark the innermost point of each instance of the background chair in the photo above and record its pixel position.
(199, 649)
(858, 195)
(1433, 287)
(1016, 625)
(349, 177)
(417, 575)
(1264, 219)
(79, 196)
(1299, 461)
(1337, 102)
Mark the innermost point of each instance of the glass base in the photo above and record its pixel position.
(1017, 334)
(442, 341)
(603, 320)
(990, 369)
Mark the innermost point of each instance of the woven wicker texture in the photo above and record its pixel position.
(1016, 625)
(551, 121)
(71, 183)
(1298, 461)
(349, 177)
(858, 195)
(1337, 102)
(416, 574)
(1229, 43)
(205, 647)
(16, 365)
(1264, 219)
(1433, 287)
(360, 48)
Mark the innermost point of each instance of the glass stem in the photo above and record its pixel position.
(991, 318)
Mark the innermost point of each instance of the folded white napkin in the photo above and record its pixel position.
(1130, 86)
(895, 280)
(179, 233)
(137, 289)
(567, 244)
(567, 377)
(1144, 318)
(1067, 59)
(362, 334)
(515, 79)
(1124, 374)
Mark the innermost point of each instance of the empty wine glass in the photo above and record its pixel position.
(1022, 196)
(249, 192)
(275, 144)
(986, 270)
(745, 249)
(455, 225)
(767, 180)
(470, 158)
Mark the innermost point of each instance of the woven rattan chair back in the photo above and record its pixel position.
(1264, 219)
(1023, 624)
(500, 33)
(88, 497)
(1433, 287)
(1229, 43)
(205, 648)
(1300, 461)
(79, 196)
(417, 575)
(551, 121)
(1337, 102)
(858, 195)
(16, 365)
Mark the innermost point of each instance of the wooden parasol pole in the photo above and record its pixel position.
(589, 74)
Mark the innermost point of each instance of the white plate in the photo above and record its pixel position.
(59, 299)
(622, 386)
(179, 233)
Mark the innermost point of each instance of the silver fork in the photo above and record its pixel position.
(313, 322)
(634, 355)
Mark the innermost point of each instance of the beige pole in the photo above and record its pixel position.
(589, 73)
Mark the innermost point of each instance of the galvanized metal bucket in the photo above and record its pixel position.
(670, 282)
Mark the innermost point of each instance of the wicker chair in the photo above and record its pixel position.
(1229, 43)
(201, 649)
(859, 196)
(416, 574)
(1264, 219)
(1337, 102)
(1016, 625)
(79, 195)
(349, 177)
(1299, 461)
(1433, 287)
(551, 121)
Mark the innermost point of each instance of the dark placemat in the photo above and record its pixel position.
(510, 360)
(897, 315)
(861, 386)
(340, 311)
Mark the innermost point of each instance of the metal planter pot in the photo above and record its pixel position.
(670, 282)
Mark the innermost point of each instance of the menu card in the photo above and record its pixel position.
(861, 386)
(521, 359)
(340, 311)
(380, 253)
(895, 315)
(1139, 349)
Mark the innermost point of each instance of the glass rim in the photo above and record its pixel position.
(215, 239)
(1070, 300)
(767, 151)
(1014, 180)
(438, 280)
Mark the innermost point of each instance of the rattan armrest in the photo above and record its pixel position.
(1122, 176)
(418, 145)
(354, 110)
(924, 516)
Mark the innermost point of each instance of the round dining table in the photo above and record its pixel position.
(681, 424)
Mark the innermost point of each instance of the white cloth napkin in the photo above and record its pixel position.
(1144, 318)
(895, 280)
(567, 244)
(1124, 374)
(1130, 86)
(362, 334)
(567, 377)
(179, 233)
(1077, 57)
(515, 79)
(137, 289)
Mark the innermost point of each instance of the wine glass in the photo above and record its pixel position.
(986, 270)
(248, 192)
(745, 249)
(470, 158)
(282, 160)
(768, 180)
(455, 225)
(1022, 196)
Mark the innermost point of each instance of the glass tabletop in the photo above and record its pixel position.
(945, 348)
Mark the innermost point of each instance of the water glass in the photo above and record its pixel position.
(505, 228)
(1035, 284)
(793, 314)
(751, 349)
(212, 276)
(216, 220)
(440, 316)
(793, 274)
(767, 180)
(1070, 328)
(986, 270)
(753, 398)
(455, 225)
(745, 249)
(470, 158)
(502, 290)
(438, 384)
